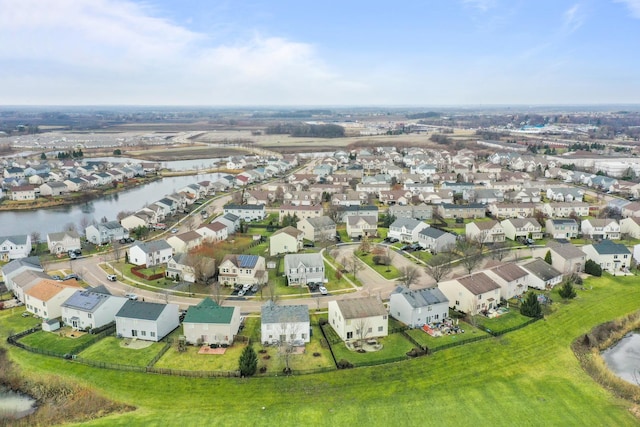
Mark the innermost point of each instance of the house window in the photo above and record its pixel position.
(153, 334)
(143, 333)
(349, 335)
(89, 315)
(369, 330)
(380, 328)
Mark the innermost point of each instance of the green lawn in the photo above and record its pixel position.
(394, 346)
(113, 350)
(251, 328)
(510, 320)
(190, 360)
(11, 321)
(526, 377)
(52, 341)
(386, 271)
(470, 333)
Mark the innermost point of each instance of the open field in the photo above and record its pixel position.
(526, 377)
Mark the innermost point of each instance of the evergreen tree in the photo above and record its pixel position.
(592, 268)
(567, 291)
(547, 257)
(531, 306)
(248, 362)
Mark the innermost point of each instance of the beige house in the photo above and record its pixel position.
(359, 226)
(567, 258)
(242, 270)
(472, 294)
(513, 280)
(182, 243)
(287, 240)
(512, 210)
(600, 228)
(317, 229)
(631, 227)
(565, 209)
(46, 297)
(485, 231)
(515, 228)
(301, 212)
(63, 242)
(210, 323)
(359, 318)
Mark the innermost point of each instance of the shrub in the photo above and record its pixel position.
(344, 364)
(567, 291)
(531, 306)
(381, 260)
(592, 268)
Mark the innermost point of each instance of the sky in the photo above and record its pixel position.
(329, 53)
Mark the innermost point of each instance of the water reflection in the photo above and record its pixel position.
(624, 358)
(14, 405)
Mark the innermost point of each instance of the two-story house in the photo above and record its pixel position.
(302, 269)
(238, 270)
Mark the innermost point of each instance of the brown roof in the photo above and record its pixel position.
(356, 308)
(215, 226)
(568, 251)
(509, 272)
(189, 236)
(486, 225)
(478, 283)
(47, 289)
(301, 208)
(291, 231)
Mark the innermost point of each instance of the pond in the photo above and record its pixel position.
(15, 405)
(624, 358)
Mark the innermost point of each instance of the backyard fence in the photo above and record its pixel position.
(511, 329)
(413, 341)
(458, 343)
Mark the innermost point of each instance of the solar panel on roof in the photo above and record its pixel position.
(247, 261)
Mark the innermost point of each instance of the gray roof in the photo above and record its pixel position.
(607, 247)
(32, 262)
(244, 207)
(408, 223)
(85, 300)
(509, 271)
(231, 217)
(356, 308)
(308, 260)
(370, 220)
(272, 313)
(56, 237)
(152, 246)
(422, 297)
(564, 222)
(541, 269)
(478, 283)
(567, 250)
(434, 233)
(141, 310)
(357, 208)
(521, 222)
(20, 239)
(467, 206)
(321, 221)
(112, 225)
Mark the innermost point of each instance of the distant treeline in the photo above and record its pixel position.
(427, 115)
(292, 114)
(302, 130)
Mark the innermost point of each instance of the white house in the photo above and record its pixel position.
(18, 266)
(210, 323)
(630, 226)
(242, 270)
(178, 267)
(14, 247)
(485, 231)
(515, 228)
(472, 293)
(406, 229)
(63, 242)
(358, 318)
(150, 253)
(436, 240)
(302, 269)
(600, 228)
(610, 256)
(184, 242)
(147, 321)
(284, 323)
(45, 298)
(106, 232)
(360, 226)
(562, 228)
(416, 308)
(542, 275)
(214, 232)
(246, 212)
(513, 280)
(285, 240)
(90, 308)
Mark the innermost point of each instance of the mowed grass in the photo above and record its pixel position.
(52, 341)
(423, 338)
(527, 377)
(509, 320)
(11, 321)
(110, 350)
(190, 360)
(394, 346)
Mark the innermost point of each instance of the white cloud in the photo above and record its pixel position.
(482, 5)
(632, 5)
(573, 18)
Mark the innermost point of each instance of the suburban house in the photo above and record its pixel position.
(90, 308)
(419, 307)
(246, 212)
(567, 258)
(512, 210)
(300, 212)
(610, 256)
(302, 269)
(473, 293)
(421, 211)
(149, 253)
(45, 298)
(237, 270)
(209, 323)
(436, 240)
(630, 226)
(562, 228)
(18, 266)
(284, 323)
(565, 209)
(406, 229)
(471, 210)
(14, 247)
(345, 212)
(286, 240)
(513, 280)
(359, 318)
(148, 321)
(179, 268)
(230, 220)
(516, 228)
(359, 226)
(542, 275)
(317, 229)
(22, 192)
(53, 188)
(214, 232)
(106, 232)
(63, 242)
(25, 280)
(600, 228)
(184, 242)
(485, 231)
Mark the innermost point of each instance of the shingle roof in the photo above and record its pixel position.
(478, 283)
(85, 300)
(291, 231)
(32, 262)
(208, 311)
(141, 310)
(607, 247)
(47, 288)
(244, 207)
(509, 271)
(434, 233)
(20, 239)
(421, 297)
(272, 313)
(308, 260)
(408, 223)
(152, 245)
(486, 225)
(356, 308)
(56, 237)
(321, 221)
(242, 261)
(541, 269)
(567, 251)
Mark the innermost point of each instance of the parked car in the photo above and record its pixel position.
(111, 277)
(323, 290)
(174, 230)
(241, 292)
(308, 245)
(71, 276)
(246, 287)
(56, 277)
(72, 255)
(132, 297)
(255, 288)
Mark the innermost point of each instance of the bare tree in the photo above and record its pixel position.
(190, 222)
(289, 330)
(470, 253)
(500, 250)
(439, 266)
(365, 244)
(70, 227)
(216, 292)
(204, 268)
(363, 329)
(35, 238)
(117, 249)
(271, 291)
(121, 215)
(85, 221)
(409, 275)
(355, 264)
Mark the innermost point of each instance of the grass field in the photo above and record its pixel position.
(509, 320)
(53, 342)
(529, 377)
(394, 346)
(112, 350)
(423, 338)
(190, 360)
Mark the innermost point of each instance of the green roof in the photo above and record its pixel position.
(208, 311)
